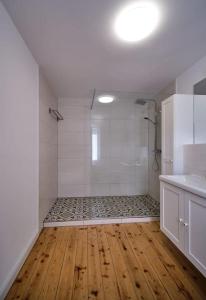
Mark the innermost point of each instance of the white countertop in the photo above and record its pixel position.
(193, 183)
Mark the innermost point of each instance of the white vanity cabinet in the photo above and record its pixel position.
(195, 230)
(183, 220)
(172, 213)
(177, 130)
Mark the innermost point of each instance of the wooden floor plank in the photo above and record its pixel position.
(145, 266)
(95, 286)
(65, 287)
(175, 272)
(39, 277)
(117, 262)
(143, 248)
(53, 272)
(29, 270)
(192, 273)
(126, 286)
(110, 284)
(142, 288)
(80, 288)
(28, 267)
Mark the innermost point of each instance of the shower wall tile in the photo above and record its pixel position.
(75, 112)
(127, 189)
(122, 189)
(80, 102)
(73, 171)
(72, 138)
(74, 125)
(121, 163)
(100, 172)
(154, 185)
(96, 189)
(74, 151)
(73, 190)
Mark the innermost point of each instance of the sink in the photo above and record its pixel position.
(193, 183)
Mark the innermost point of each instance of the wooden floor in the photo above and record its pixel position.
(110, 262)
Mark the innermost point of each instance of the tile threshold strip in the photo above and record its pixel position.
(101, 221)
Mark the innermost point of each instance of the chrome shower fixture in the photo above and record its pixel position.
(147, 118)
(143, 101)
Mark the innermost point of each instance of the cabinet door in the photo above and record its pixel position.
(195, 231)
(167, 137)
(172, 213)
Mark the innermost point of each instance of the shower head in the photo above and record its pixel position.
(148, 119)
(142, 101)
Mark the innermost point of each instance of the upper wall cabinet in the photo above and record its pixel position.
(177, 130)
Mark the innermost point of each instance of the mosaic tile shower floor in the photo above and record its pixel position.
(94, 208)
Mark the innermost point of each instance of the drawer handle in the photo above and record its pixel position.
(186, 224)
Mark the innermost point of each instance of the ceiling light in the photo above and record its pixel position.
(106, 98)
(137, 21)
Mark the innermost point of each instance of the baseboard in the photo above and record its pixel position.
(15, 270)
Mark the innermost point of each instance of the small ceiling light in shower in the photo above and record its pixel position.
(106, 98)
(137, 21)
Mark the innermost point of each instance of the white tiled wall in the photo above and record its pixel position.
(121, 167)
(48, 157)
(74, 147)
(154, 185)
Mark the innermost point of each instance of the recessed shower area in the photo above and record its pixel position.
(107, 158)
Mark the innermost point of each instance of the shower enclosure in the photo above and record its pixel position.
(120, 161)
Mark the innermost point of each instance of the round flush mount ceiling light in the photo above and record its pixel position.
(106, 98)
(137, 21)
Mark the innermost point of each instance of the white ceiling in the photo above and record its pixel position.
(74, 43)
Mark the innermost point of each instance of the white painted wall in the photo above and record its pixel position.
(48, 150)
(185, 82)
(195, 159)
(121, 167)
(19, 150)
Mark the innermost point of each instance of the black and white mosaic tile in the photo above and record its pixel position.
(94, 208)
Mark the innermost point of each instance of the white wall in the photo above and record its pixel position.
(19, 149)
(48, 149)
(185, 82)
(195, 159)
(121, 167)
